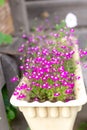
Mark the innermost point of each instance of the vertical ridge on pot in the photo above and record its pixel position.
(53, 111)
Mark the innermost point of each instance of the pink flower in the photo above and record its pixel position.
(14, 79)
(56, 94)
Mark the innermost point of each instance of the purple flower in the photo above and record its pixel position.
(69, 91)
(56, 35)
(56, 94)
(21, 67)
(64, 74)
(23, 86)
(21, 96)
(24, 36)
(77, 77)
(27, 60)
(45, 85)
(71, 85)
(14, 79)
(61, 69)
(26, 74)
(15, 93)
(21, 49)
(56, 85)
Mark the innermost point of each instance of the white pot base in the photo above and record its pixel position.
(58, 118)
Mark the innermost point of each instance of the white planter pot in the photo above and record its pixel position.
(50, 116)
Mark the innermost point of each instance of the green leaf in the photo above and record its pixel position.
(5, 96)
(34, 89)
(28, 129)
(34, 55)
(57, 27)
(10, 115)
(83, 126)
(70, 65)
(43, 91)
(33, 29)
(35, 92)
(2, 2)
(50, 94)
(1, 38)
(40, 81)
(61, 25)
(32, 95)
(61, 97)
(5, 38)
(62, 34)
(48, 57)
(50, 81)
(8, 106)
(63, 88)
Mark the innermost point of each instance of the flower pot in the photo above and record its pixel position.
(49, 118)
(49, 115)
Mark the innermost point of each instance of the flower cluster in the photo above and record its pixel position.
(48, 64)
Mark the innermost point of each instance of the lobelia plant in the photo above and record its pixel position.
(48, 64)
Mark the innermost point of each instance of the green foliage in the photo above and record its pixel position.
(33, 29)
(28, 129)
(10, 110)
(5, 39)
(83, 126)
(70, 65)
(35, 92)
(40, 81)
(48, 57)
(50, 94)
(34, 55)
(61, 25)
(10, 113)
(2, 2)
(50, 81)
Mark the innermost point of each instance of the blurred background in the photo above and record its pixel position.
(18, 16)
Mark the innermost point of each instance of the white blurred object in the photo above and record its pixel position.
(71, 20)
